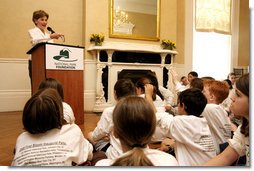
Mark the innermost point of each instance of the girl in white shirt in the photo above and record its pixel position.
(134, 124)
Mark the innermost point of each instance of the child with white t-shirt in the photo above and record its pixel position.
(239, 145)
(47, 141)
(157, 101)
(67, 110)
(217, 117)
(134, 124)
(192, 136)
(102, 134)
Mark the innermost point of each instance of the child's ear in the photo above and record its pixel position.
(138, 91)
(184, 107)
(212, 98)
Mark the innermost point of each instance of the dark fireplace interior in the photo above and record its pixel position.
(134, 57)
(134, 75)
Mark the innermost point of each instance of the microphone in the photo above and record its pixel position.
(51, 30)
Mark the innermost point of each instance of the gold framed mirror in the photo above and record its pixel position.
(135, 19)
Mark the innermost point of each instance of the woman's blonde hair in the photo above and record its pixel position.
(134, 123)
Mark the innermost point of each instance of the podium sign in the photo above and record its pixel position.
(64, 58)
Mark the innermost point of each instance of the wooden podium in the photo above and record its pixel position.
(64, 63)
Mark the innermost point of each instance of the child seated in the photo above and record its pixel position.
(102, 136)
(46, 140)
(192, 136)
(217, 117)
(239, 145)
(134, 124)
(157, 101)
(67, 110)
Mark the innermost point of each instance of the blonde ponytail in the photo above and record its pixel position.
(136, 157)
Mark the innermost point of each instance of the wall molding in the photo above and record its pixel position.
(15, 87)
(13, 60)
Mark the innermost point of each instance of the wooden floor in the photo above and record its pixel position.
(11, 127)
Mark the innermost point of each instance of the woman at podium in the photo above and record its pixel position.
(39, 34)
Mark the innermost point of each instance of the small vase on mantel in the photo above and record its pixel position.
(97, 43)
(167, 47)
(168, 44)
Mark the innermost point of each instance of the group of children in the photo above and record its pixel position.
(196, 129)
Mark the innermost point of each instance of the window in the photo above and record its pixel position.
(212, 54)
(212, 50)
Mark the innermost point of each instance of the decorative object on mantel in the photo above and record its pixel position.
(97, 39)
(168, 44)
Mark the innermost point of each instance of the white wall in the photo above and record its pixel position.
(15, 87)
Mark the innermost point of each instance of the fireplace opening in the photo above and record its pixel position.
(133, 75)
(133, 57)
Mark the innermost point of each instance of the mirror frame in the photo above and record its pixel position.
(133, 36)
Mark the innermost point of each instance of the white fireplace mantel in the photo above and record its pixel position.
(114, 67)
(131, 47)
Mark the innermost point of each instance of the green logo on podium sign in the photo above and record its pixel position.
(64, 56)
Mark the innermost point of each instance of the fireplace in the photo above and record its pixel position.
(134, 75)
(117, 60)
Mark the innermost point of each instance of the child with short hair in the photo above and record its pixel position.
(134, 124)
(192, 75)
(232, 77)
(184, 81)
(67, 110)
(197, 83)
(193, 140)
(217, 117)
(157, 101)
(239, 144)
(102, 136)
(47, 141)
(140, 87)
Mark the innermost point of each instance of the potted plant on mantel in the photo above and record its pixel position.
(97, 39)
(168, 44)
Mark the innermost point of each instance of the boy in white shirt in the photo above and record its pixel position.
(216, 116)
(193, 141)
